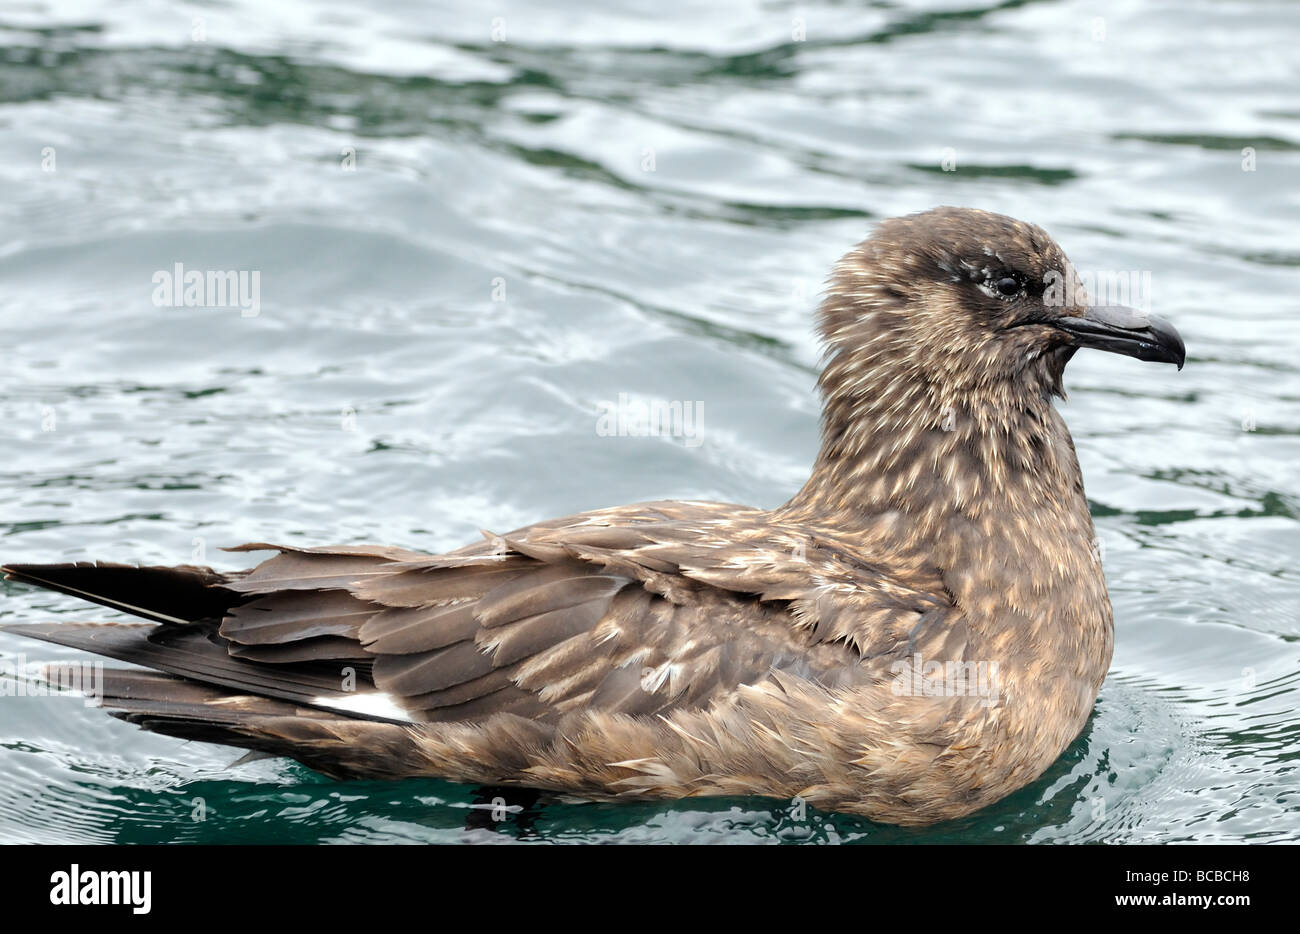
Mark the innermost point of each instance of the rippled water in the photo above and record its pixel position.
(467, 245)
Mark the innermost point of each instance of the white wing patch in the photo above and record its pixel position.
(372, 704)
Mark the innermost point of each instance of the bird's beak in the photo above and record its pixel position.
(1128, 331)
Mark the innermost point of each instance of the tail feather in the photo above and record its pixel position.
(195, 652)
(340, 747)
(307, 698)
(182, 594)
(133, 690)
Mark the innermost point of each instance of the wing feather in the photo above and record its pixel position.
(637, 610)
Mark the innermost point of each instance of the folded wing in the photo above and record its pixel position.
(637, 610)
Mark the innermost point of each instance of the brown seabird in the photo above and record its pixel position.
(920, 631)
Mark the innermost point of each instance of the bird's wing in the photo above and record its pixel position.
(637, 610)
(874, 604)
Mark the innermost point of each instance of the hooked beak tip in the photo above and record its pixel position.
(1123, 330)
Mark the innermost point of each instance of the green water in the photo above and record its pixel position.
(389, 167)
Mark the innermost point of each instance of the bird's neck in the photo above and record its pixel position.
(930, 450)
(979, 499)
(980, 484)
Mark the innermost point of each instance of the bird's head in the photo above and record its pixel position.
(966, 300)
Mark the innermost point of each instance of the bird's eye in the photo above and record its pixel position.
(1007, 286)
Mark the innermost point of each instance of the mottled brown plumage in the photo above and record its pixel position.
(677, 649)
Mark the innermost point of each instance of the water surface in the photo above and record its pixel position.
(466, 246)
